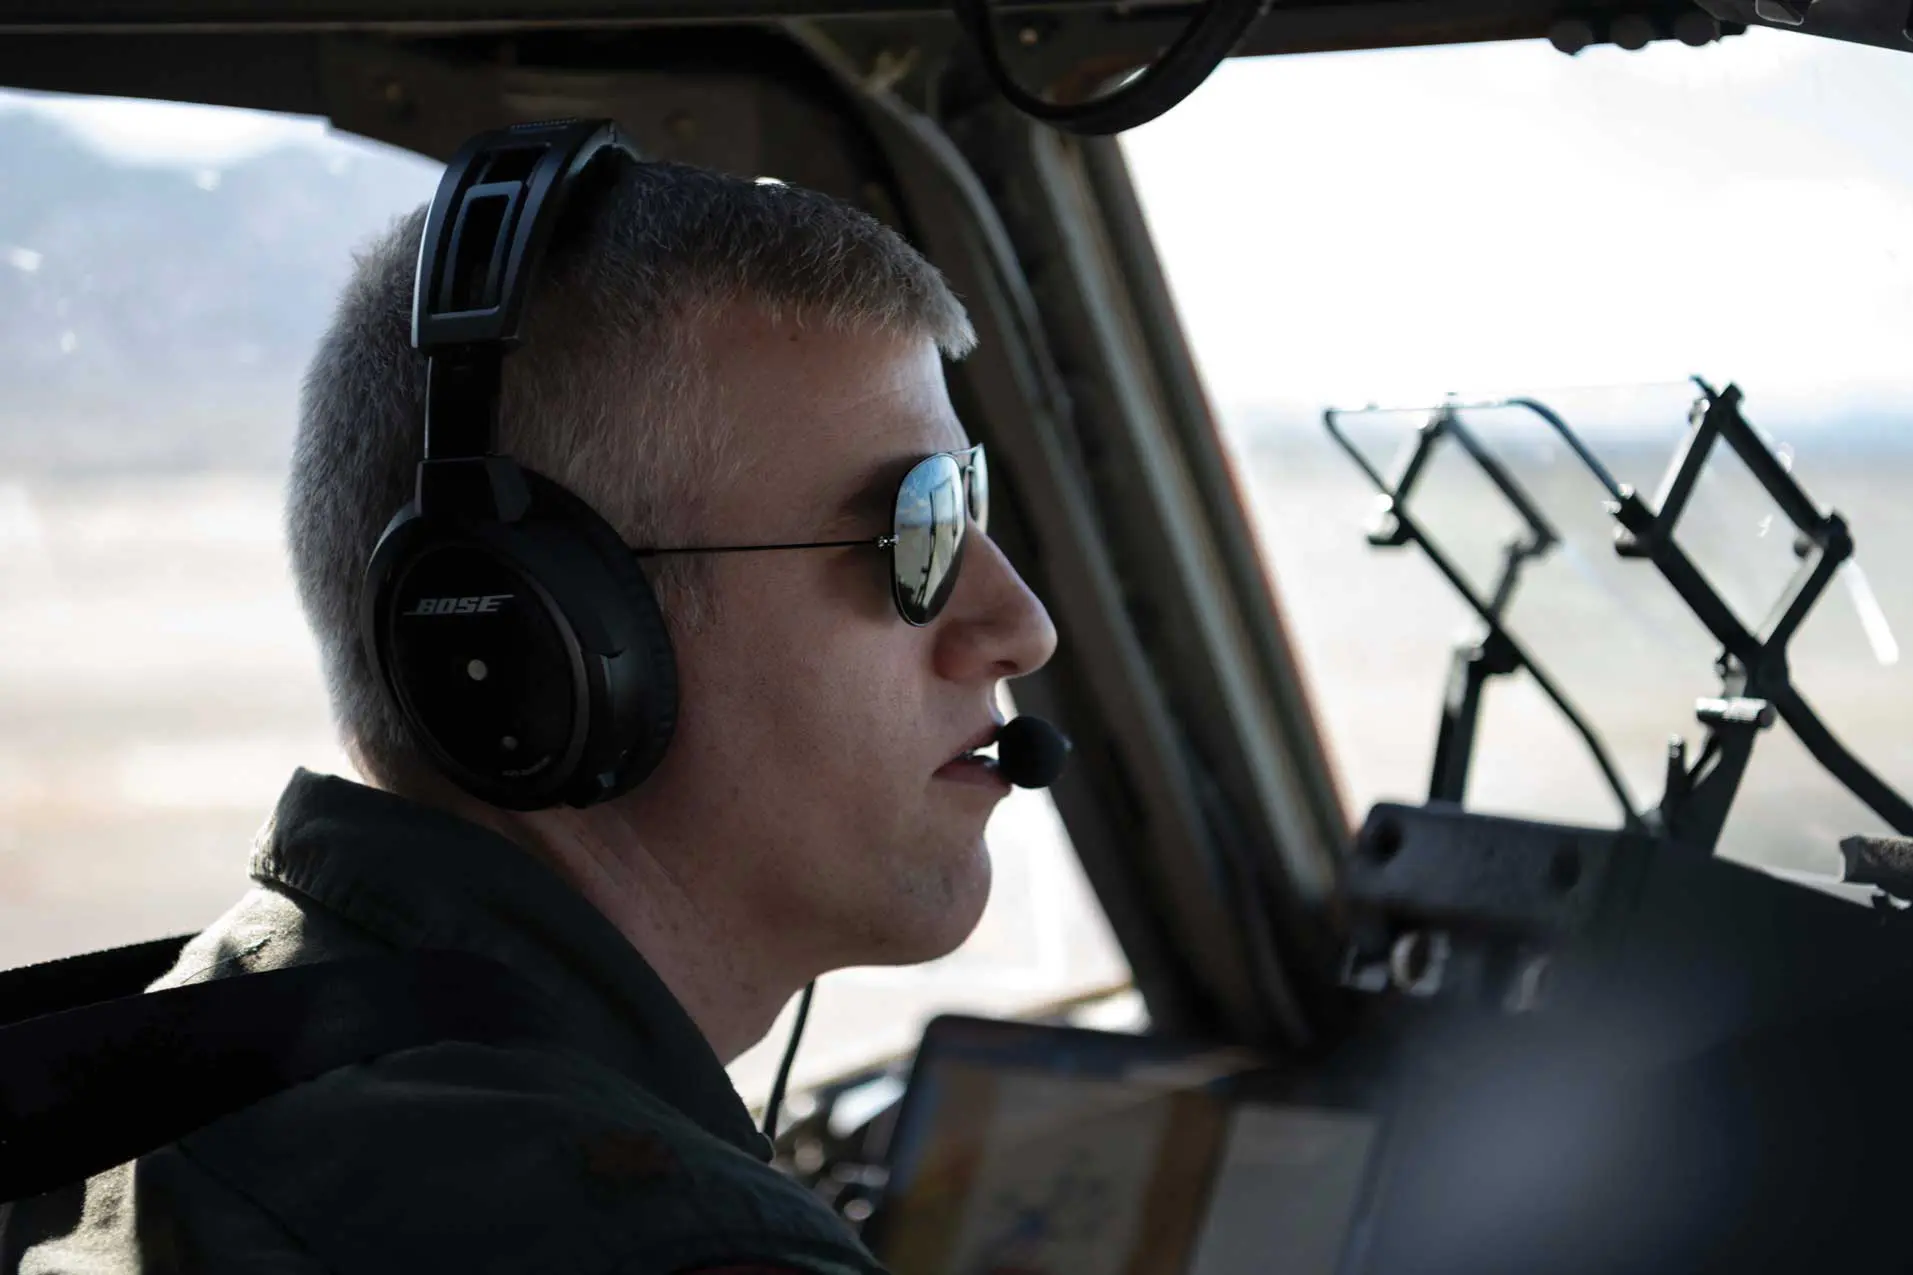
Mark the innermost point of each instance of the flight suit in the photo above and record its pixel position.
(625, 1151)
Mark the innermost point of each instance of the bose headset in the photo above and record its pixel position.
(509, 622)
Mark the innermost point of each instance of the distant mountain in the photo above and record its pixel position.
(162, 316)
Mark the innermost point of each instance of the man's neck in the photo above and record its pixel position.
(697, 950)
(704, 956)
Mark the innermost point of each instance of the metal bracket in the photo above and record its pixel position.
(1753, 663)
(1493, 654)
(1693, 808)
(1474, 663)
(1499, 651)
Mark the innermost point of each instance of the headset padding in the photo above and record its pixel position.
(634, 597)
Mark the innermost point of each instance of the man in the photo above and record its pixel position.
(708, 360)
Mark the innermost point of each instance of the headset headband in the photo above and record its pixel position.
(489, 224)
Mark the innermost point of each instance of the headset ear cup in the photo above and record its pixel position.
(641, 702)
(597, 693)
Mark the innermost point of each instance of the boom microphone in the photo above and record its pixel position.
(1030, 752)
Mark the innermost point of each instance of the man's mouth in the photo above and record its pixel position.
(976, 764)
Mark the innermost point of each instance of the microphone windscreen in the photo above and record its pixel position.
(1030, 752)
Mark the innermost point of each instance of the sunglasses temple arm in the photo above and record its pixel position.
(871, 542)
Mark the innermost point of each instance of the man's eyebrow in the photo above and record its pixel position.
(874, 499)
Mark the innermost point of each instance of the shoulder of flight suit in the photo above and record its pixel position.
(450, 1157)
(167, 1215)
(482, 1159)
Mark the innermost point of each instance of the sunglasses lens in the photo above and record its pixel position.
(930, 518)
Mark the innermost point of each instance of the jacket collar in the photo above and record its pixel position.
(417, 877)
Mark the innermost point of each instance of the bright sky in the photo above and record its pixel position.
(1391, 226)
(168, 132)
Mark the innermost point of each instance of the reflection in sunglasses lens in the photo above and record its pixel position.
(929, 532)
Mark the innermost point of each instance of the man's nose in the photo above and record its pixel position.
(994, 626)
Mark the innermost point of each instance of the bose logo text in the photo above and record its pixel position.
(459, 606)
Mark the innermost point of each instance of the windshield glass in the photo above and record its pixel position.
(1408, 228)
(164, 278)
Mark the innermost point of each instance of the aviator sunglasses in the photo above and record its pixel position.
(936, 501)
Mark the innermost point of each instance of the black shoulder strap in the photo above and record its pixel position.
(85, 1088)
(72, 981)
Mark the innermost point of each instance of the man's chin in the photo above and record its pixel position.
(932, 918)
